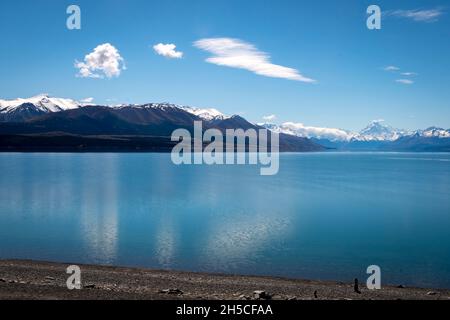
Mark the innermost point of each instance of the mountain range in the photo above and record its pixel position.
(46, 123)
(376, 136)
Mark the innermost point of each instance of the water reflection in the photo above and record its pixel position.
(165, 243)
(99, 211)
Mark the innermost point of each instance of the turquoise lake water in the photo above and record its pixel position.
(324, 216)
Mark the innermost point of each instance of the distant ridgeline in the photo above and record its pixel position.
(375, 137)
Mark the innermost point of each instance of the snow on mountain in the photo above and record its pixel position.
(378, 131)
(375, 131)
(205, 114)
(434, 132)
(41, 102)
(22, 109)
(271, 126)
(161, 106)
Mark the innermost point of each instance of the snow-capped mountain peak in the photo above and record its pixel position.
(376, 127)
(41, 102)
(434, 132)
(205, 114)
(21, 109)
(378, 131)
(161, 106)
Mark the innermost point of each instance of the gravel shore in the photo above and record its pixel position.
(20, 279)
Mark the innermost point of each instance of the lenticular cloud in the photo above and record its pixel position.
(236, 53)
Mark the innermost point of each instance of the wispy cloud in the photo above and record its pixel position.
(270, 117)
(404, 81)
(87, 100)
(105, 60)
(167, 50)
(236, 53)
(409, 74)
(396, 70)
(419, 15)
(391, 68)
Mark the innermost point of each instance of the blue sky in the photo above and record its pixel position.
(327, 41)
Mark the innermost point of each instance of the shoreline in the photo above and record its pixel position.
(31, 280)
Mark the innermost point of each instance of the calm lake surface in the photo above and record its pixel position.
(324, 216)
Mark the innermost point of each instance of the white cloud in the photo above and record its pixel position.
(236, 53)
(105, 60)
(409, 74)
(299, 129)
(391, 68)
(404, 81)
(87, 100)
(419, 15)
(270, 117)
(167, 50)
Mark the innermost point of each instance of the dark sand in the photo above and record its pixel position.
(44, 280)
